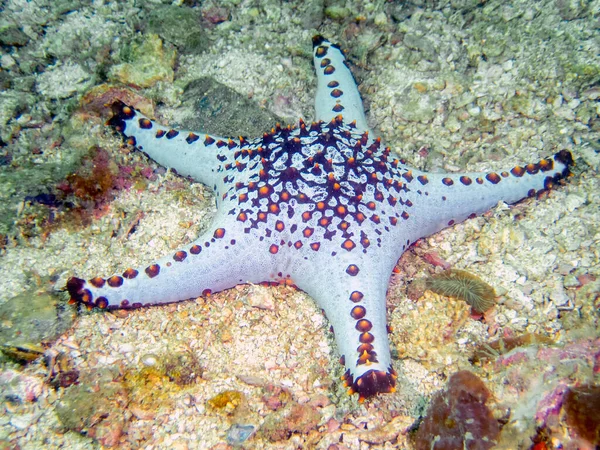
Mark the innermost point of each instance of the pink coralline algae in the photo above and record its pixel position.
(459, 418)
(551, 403)
(553, 393)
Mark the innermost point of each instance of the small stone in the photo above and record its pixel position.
(592, 93)
(238, 434)
(529, 14)
(463, 115)
(149, 360)
(179, 26)
(381, 19)
(126, 348)
(142, 414)
(416, 42)
(212, 106)
(586, 278)
(32, 318)
(571, 281)
(519, 323)
(573, 201)
(7, 61)
(260, 297)
(565, 112)
(474, 110)
(22, 421)
(559, 297)
(565, 269)
(332, 425)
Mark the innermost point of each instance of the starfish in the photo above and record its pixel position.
(323, 206)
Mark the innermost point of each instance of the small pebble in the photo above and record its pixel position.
(237, 434)
(149, 360)
(7, 61)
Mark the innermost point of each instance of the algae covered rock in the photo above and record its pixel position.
(30, 319)
(146, 62)
(458, 417)
(213, 107)
(181, 27)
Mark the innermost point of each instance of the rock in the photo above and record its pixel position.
(181, 27)
(295, 419)
(238, 434)
(147, 61)
(13, 36)
(33, 318)
(214, 108)
(582, 410)
(458, 417)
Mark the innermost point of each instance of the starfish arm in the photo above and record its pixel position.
(190, 154)
(353, 298)
(215, 261)
(337, 92)
(440, 200)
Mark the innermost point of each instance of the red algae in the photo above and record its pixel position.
(458, 417)
(86, 193)
(94, 179)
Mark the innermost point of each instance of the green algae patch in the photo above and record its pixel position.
(146, 62)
